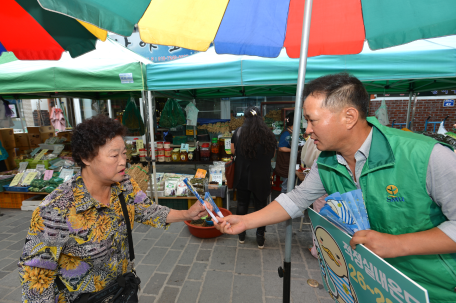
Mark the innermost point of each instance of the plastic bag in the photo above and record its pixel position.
(132, 118)
(192, 114)
(49, 189)
(170, 187)
(382, 114)
(442, 130)
(172, 114)
(182, 189)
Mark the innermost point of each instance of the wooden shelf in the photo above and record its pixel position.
(185, 163)
(25, 192)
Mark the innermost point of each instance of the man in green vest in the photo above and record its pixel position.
(406, 179)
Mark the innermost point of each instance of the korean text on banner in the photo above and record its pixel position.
(359, 275)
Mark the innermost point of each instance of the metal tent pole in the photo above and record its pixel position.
(294, 142)
(110, 108)
(412, 125)
(152, 145)
(409, 107)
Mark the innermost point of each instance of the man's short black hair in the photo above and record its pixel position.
(340, 90)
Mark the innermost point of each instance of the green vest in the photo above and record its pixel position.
(393, 182)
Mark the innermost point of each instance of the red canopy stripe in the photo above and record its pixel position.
(331, 33)
(33, 43)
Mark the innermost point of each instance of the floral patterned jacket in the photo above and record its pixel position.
(77, 239)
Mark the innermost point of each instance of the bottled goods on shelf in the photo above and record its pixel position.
(175, 155)
(215, 150)
(183, 155)
(205, 152)
(191, 152)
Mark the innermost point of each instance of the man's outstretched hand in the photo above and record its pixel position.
(232, 225)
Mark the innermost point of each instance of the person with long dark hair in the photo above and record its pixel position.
(254, 145)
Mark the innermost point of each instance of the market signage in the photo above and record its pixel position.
(448, 103)
(357, 276)
(153, 52)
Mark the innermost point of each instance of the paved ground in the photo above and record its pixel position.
(175, 266)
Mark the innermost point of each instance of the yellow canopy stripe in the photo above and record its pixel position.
(189, 24)
(96, 31)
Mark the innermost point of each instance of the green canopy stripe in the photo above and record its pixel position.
(117, 16)
(391, 22)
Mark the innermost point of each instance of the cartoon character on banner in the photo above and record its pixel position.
(334, 267)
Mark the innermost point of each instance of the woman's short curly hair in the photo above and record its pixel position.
(93, 133)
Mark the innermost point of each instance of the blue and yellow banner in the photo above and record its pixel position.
(358, 276)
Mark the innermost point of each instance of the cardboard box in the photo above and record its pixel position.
(45, 136)
(65, 134)
(10, 163)
(34, 139)
(7, 138)
(33, 130)
(47, 129)
(22, 140)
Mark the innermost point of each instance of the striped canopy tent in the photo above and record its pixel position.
(32, 33)
(305, 28)
(262, 28)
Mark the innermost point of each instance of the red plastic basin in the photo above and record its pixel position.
(206, 232)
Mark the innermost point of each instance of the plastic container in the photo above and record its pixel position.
(142, 152)
(205, 152)
(168, 152)
(215, 150)
(161, 151)
(16, 188)
(159, 144)
(225, 147)
(175, 155)
(142, 158)
(161, 158)
(191, 154)
(167, 158)
(183, 155)
(206, 232)
(5, 182)
(167, 144)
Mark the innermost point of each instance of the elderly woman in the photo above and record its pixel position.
(78, 234)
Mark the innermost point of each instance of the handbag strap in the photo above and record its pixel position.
(62, 286)
(127, 222)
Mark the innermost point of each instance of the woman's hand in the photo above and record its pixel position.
(197, 211)
(232, 225)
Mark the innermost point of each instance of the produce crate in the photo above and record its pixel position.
(34, 164)
(18, 189)
(13, 200)
(4, 182)
(178, 140)
(179, 204)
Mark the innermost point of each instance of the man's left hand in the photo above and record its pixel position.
(384, 245)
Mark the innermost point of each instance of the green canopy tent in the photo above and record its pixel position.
(422, 65)
(111, 71)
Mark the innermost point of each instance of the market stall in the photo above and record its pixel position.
(397, 69)
(109, 72)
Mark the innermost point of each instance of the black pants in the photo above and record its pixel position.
(243, 201)
(3, 166)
